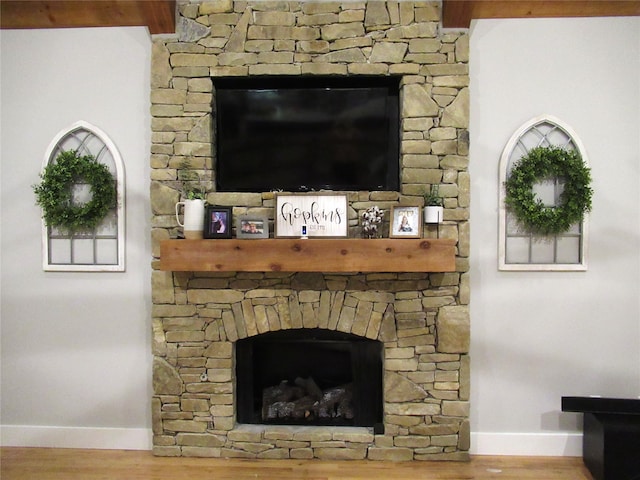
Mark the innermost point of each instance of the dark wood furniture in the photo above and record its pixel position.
(611, 429)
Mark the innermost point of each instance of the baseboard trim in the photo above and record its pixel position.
(76, 437)
(527, 444)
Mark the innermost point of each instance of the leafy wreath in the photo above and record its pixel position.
(55, 193)
(543, 163)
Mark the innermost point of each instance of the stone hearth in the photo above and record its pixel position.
(421, 318)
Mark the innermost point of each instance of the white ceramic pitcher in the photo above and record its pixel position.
(193, 218)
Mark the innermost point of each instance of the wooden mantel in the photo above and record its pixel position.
(312, 255)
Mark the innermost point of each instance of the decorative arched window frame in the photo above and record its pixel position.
(116, 165)
(558, 134)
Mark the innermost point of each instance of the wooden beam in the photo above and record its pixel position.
(158, 15)
(312, 255)
(459, 13)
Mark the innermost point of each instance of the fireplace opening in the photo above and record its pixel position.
(309, 377)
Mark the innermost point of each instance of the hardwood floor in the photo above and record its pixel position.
(70, 464)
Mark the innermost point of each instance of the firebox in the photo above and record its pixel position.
(309, 377)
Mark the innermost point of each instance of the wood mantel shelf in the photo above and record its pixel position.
(312, 255)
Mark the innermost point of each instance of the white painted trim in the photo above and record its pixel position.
(76, 437)
(527, 444)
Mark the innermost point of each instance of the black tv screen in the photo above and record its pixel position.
(307, 133)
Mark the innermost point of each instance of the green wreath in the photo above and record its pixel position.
(55, 193)
(543, 163)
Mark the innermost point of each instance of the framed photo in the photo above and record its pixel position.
(311, 215)
(250, 227)
(406, 222)
(217, 222)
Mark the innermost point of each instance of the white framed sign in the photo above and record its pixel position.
(311, 215)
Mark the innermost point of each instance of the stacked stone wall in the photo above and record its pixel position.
(422, 319)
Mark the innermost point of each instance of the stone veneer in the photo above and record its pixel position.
(422, 319)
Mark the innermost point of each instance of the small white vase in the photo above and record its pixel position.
(433, 214)
(193, 225)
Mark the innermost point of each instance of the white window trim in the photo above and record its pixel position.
(120, 196)
(502, 213)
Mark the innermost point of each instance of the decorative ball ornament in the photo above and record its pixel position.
(543, 163)
(55, 193)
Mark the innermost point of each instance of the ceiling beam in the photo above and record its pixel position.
(158, 15)
(459, 13)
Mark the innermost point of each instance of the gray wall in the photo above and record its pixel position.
(536, 336)
(76, 348)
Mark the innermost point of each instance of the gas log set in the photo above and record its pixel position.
(305, 401)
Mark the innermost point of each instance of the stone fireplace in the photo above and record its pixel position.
(418, 321)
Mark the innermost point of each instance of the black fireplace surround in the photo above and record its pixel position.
(309, 377)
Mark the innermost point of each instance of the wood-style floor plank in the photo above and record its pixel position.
(71, 464)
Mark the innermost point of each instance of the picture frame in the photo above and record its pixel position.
(311, 215)
(406, 222)
(252, 227)
(217, 222)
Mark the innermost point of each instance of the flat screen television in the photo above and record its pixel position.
(307, 133)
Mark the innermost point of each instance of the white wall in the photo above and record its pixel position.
(75, 346)
(538, 336)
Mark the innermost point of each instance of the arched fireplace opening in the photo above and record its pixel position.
(309, 377)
